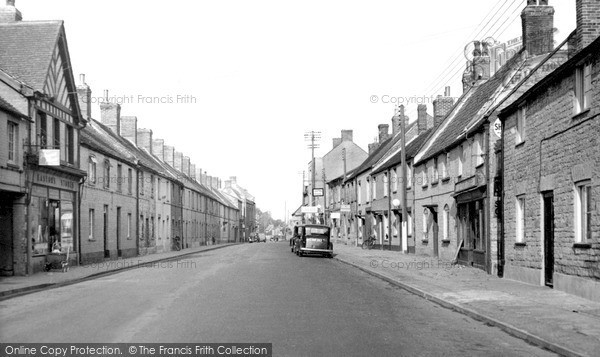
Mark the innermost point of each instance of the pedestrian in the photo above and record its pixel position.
(213, 240)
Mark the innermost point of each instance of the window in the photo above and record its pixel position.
(56, 133)
(106, 174)
(460, 161)
(479, 150)
(394, 180)
(424, 176)
(152, 186)
(158, 185)
(583, 212)
(91, 224)
(520, 237)
(409, 224)
(13, 139)
(141, 183)
(425, 223)
(436, 172)
(92, 169)
(409, 175)
(128, 225)
(359, 193)
(119, 177)
(445, 166)
(70, 145)
(583, 88)
(385, 185)
(43, 129)
(446, 223)
(368, 189)
(374, 187)
(130, 181)
(521, 122)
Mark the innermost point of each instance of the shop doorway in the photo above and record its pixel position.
(6, 236)
(435, 231)
(548, 238)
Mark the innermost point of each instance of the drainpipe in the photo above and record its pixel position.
(389, 189)
(137, 210)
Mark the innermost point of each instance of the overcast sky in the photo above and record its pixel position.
(253, 76)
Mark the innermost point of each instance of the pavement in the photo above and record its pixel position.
(563, 323)
(19, 285)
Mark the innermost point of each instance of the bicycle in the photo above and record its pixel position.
(369, 243)
(176, 243)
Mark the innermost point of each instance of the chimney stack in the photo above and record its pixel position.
(336, 142)
(9, 13)
(178, 161)
(169, 154)
(588, 22)
(347, 135)
(193, 171)
(421, 118)
(227, 183)
(185, 166)
(199, 174)
(110, 114)
(383, 132)
(442, 106)
(129, 129)
(233, 180)
(373, 147)
(144, 139)
(538, 27)
(84, 96)
(158, 149)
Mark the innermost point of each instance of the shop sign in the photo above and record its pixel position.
(41, 178)
(49, 157)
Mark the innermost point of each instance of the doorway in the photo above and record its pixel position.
(548, 238)
(435, 230)
(118, 231)
(105, 231)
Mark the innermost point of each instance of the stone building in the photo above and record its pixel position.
(457, 193)
(551, 171)
(37, 84)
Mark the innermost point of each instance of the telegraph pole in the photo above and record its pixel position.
(313, 137)
(344, 201)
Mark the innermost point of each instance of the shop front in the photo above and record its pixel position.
(470, 196)
(52, 213)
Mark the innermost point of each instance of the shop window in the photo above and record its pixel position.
(520, 227)
(583, 212)
(583, 88)
(13, 139)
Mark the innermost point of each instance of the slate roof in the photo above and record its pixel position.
(412, 148)
(26, 49)
(96, 138)
(9, 108)
(471, 105)
(374, 156)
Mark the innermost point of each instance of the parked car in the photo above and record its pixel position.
(314, 239)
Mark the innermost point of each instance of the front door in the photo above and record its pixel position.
(435, 230)
(105, 232)
(119, 231)
(548, 238)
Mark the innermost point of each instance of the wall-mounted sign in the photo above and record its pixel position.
(309, 209)
(498, 127)
(345, 208)
(49, 157)
(317, 192)
(335, 215)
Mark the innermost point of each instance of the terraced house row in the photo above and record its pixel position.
(99, 188)
(506, 177)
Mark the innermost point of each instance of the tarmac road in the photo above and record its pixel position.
(257, 292)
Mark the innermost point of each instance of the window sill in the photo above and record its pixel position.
(424, 186)
(520, 244)
(91, 239)
(520, 143)
(434, 183)
(445, 241)
(424, 241)
(446, 179)
(581, 114)
(480, 165)
(13, 166)
(582, 245)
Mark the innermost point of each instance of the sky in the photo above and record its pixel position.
(235, 84)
